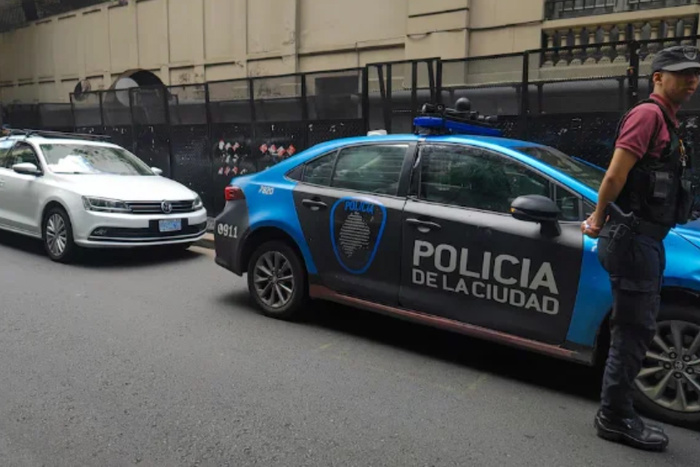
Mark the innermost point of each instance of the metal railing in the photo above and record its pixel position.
(560, 9)
(203, 135)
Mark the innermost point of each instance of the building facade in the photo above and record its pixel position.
(125, 43)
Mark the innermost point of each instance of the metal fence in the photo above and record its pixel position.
(203, 135)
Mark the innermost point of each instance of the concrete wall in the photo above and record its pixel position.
(193, 41)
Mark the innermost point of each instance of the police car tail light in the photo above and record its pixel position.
(233, 193)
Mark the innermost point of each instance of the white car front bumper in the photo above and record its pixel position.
(94, 229)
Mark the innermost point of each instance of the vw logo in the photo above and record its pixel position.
(166, 207)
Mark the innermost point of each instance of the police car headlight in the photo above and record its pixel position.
(105, 205)
(197, 203)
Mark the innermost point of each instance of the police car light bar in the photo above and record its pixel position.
(438, 120)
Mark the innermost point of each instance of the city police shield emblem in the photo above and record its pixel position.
(357, 226)
(691, 53)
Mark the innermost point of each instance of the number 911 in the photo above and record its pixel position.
(225, 230)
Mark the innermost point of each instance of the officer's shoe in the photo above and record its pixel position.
(630, 431)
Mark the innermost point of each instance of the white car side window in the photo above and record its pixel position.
(5, 147)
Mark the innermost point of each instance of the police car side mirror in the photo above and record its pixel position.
(540, 209)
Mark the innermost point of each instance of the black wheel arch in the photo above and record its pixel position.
(49, 206)
(259, 236)
(670, 296)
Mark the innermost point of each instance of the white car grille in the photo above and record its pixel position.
(161, 207)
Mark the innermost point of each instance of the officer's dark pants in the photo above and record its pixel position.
(635, 269)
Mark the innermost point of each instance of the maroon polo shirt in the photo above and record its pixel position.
(642, 123)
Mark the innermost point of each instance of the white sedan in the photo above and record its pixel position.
(72, 191)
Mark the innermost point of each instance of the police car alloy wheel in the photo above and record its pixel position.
(276, 280)
(58, 236)
(668, 385)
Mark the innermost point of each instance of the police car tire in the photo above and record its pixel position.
(295, 307)
(671, 312)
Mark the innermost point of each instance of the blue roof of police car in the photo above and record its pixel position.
(497, 143)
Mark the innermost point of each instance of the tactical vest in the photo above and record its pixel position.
(656, 190)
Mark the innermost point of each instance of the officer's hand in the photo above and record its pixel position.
(592, 226)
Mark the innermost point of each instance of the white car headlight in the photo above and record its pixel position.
(105, 205)
(197, 203)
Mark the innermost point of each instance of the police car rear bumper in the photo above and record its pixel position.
(230, 229)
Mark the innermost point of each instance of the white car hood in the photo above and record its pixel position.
(127, 187)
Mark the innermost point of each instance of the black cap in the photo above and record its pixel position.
(676, 58)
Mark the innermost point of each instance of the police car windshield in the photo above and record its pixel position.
(587, 174)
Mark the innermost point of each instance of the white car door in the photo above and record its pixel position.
(5, 147)
(20, 192)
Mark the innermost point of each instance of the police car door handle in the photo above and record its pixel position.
(423, 225)
(314, 205)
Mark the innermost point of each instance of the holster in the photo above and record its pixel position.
(620, 228)
(686, 199)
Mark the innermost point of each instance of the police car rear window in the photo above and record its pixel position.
(587, 174)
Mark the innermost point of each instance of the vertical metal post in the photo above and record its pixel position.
(166, 108)
(209, 154)
(524, 97)
(633, 75)
(388, 108)
(304, 111)
(438, 82)
(414, 91)
(365, 98)
(134, 136)
(72, 112)
(253, 117)
(102, 115)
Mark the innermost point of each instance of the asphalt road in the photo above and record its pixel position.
(156, 359)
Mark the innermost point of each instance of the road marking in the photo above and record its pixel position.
(324, 346)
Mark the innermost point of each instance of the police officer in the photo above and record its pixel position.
(645, 193)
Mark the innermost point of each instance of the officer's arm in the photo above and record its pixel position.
(613, 182)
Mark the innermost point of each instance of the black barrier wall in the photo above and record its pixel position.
(204, 135)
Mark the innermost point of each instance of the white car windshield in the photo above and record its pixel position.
(92, 159)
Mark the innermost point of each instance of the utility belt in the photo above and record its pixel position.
(622, 226)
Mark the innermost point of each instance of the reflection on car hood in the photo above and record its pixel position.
(690, 231)
(127, 187)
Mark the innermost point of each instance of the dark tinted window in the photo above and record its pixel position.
(319, 170)
(370, 169)
(583, 172)
(22, 153)
(569, 204)
(5, 147)
(475, 178)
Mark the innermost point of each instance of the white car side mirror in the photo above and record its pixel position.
(157, 171)
(26, 168)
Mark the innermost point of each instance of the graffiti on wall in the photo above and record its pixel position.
(236, 158)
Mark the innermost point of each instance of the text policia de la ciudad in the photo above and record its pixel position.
(473, 273)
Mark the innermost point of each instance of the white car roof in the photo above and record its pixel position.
(38, 139)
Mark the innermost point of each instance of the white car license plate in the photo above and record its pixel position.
(170, 225)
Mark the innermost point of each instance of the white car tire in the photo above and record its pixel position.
(57, 235)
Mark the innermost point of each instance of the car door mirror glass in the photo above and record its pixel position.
(26, 168)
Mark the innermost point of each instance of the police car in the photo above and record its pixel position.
(459, 228)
